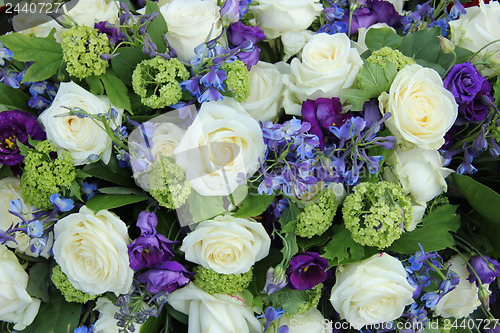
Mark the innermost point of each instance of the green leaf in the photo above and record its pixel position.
(496, 91)
(342, 248)
(482, 198)
(433, 233)
(120, 190)
(75, 190)
(23, 149)
(111, 172)
(116, 90)
(43, 69)
(289, 300)
(422, 44)
(356, 97)
(254, 205)
(289, 218)
(157, 27)
(95, 85)
(203, 208)
(126, 61)
(306, 243)
(38, 283)
(380, 37)
(11, 98)
(110, 201)
(153, 324)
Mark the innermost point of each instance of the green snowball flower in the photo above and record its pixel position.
(157, 80)
(82, 49)
(168, 184)
(389, 54)
(44, 176)
(70, 293)
(318, 215)
(377, 214)
(313, 297)
(238, 80)
(215, 283)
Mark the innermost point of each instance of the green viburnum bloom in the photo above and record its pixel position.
(215, 283)
(317, 216)
(157, 80)
(82, 49)
(389, 54)
(70, 293)
(376, 214)
(44, 176)
(168, 184)
(313, 297)
(238, 80)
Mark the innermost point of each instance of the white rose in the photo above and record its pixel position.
(275, 17)
(37, 23)
(190, 23)
(372, 291)
(16, 305)
(213, 313)
(477, 28)
(422, 109)
(92, 251)
(311, 321)
(419, 171)
(81, 137)
(294, 41)
(398, 5)
(165, 139)
(88, 12)
(10, 189)
(222, 142)
(329, 65)
(266, 92)
(106, 323)
(227, 244)
(463, 300)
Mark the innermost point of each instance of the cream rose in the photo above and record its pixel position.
(81, 137)
(222, 142)
(266, 92)
(213, 313)
(422, 109)
(227, 244)
(88, 12)
(92, 251)
(190, 23)
(477, 28)
(16, 305)
(372, 291)
(275, 17)
(461, 301)
(329, 65)
(165, 139)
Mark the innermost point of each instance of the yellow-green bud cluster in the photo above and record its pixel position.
(317, 216)
(44, 176)
(376, 214)
(313, 297)
(389, 54)
(157, 80)
(168, 184)
(238, 80)
(215, 283)
(70, 293)
(82, 49)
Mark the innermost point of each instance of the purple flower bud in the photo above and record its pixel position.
(486, 268)
(276, 279)
(230, 11)
(307, 270)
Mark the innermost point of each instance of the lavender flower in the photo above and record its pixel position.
(166, 276)
(376, 11)
(486, 268)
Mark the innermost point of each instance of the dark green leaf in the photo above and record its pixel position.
(75, 190)
(356, 97)
(5, 171)
(38, 283)
(430, 64)
(342, 248)
(126, 61)
(153, 324)
(289, 218)
(120, 190)
(11, 98)
(496, 91)
(422, 44)
(177, 315)
(81, 174)
(43, 69)
(482, 198)
(157, 27)
(95, 85)
(110, 201)
(116, 90)
(433, 233)
(306, 243)
(111, 172)
(380, 37)
(254, 205)
(289, 300)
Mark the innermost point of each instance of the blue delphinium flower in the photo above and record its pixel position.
(61, 203)
(271, 314)
(5, 54)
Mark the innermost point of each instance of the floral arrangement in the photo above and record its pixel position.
(250, 166)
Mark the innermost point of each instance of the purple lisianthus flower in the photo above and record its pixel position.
(486, 268)
(306, 270)
(17, 125)
(321, 114)
(376, 11)
(464, 82)
(167, 276)
(238, 33)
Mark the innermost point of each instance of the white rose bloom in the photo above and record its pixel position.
(222, 142)
(372, 291)
(329, 65)
(213, 313)
(266, 92)
(311, 321)
(92, 251)
(106, 323)
(275, 17)
(81, 137)
(419, 171)
(477, 28)
(422, 109)
(16, 305)
(88, 12)
(165, 139)
(294, 41)
(463, 300)
(227, 244)
(190, 23)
